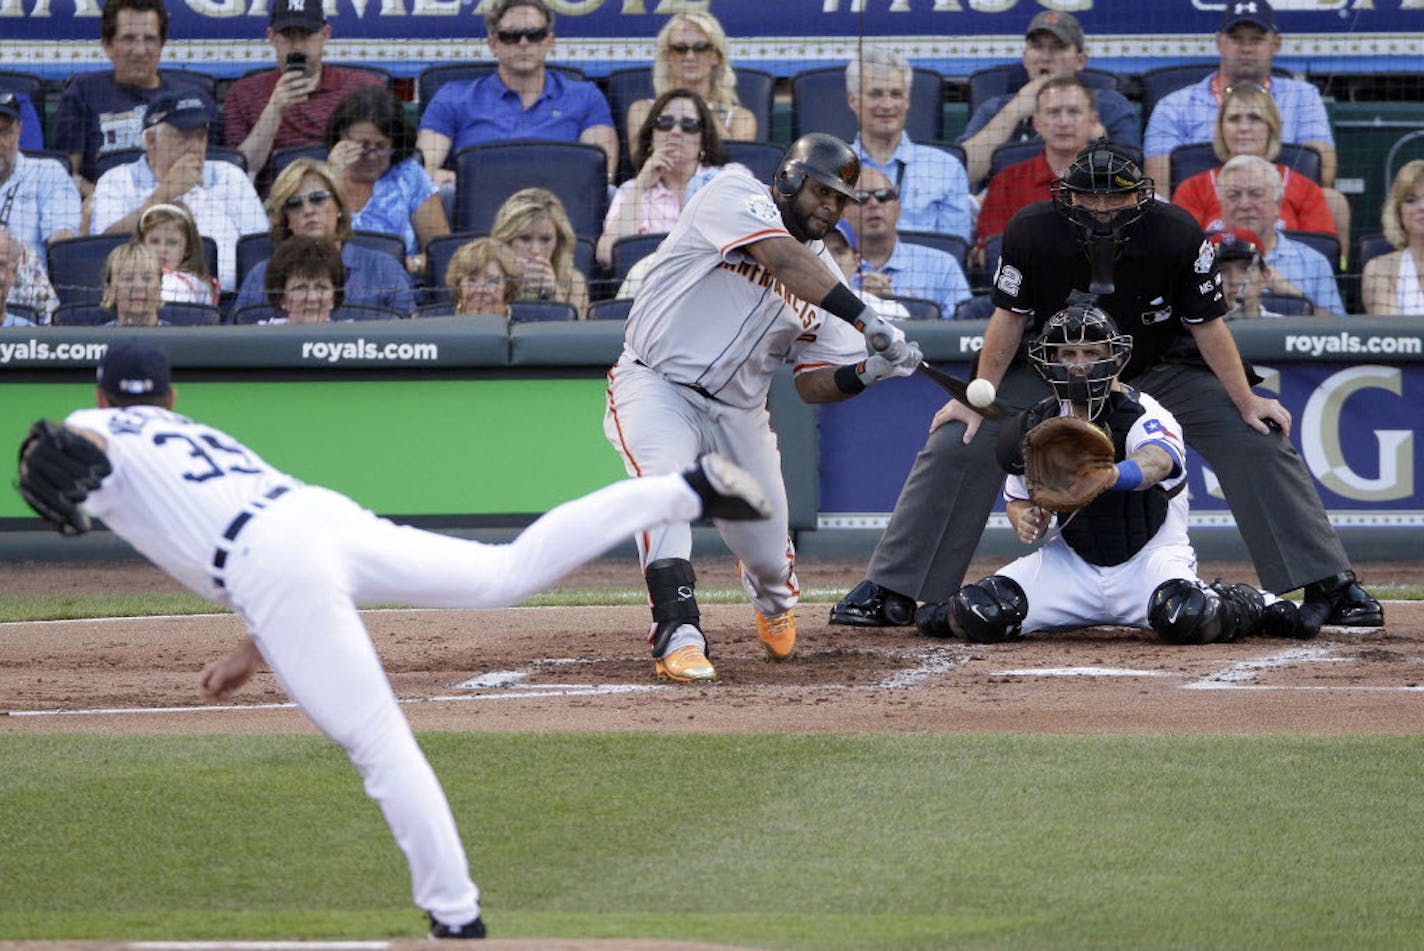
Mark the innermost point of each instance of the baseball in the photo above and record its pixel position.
(980, 393)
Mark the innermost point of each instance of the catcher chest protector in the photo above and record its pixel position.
(1116, 525)
(672, 587)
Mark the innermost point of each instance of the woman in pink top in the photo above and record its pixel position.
(1249, 124)
(683, 150)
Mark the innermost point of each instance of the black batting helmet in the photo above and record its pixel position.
(821, 157)
(1102, 168)
(1087, 383)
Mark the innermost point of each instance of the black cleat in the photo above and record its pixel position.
(1288, 619)
(932, 619)
(869, 605)
(727, 490)
(470, 929)
(1350, 605)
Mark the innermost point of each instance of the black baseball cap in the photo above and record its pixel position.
(1065, 26)
(9, 104)
(1255, 12)
(134, 368)
(306, 14)
(186, 108)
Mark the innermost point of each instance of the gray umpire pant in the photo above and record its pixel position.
(950, 492)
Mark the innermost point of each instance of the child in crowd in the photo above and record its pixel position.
(169, 231)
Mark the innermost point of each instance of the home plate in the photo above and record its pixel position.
(1080, 672)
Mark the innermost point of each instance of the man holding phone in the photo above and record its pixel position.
(289, 105)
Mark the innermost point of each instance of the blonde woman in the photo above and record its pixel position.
(1248, 123)
(133, 279)
(692, 54)
(483, 278)
(307, 200)
(534, 224)
(1394, 283)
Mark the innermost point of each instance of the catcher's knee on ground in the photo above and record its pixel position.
(672, 587)
(986, 612)
(1187, 611)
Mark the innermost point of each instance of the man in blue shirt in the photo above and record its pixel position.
(521, 100)
(890, 267)
(1247, 41)
(933, 189)
(1053, 46)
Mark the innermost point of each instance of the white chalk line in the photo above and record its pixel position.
(259, 945)
(1080, 672)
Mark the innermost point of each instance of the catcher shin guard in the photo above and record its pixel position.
(987, 612)
(672, 586)
(1288, 619)
(1185, 611)
(1242, 608)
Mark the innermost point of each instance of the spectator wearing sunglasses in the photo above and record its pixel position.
(692, 54)
(932, 184)
(889, 267)
(683, 150)
(371, 148)
(520, 100)
(1247, 42)
(175, 168)
(306, 200)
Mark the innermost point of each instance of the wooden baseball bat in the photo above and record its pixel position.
(959, 389)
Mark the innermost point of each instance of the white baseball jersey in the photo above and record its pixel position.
(1065, 591)
(708, 315)
(175, 487)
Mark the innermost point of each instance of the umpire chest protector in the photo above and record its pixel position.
(1117, 525)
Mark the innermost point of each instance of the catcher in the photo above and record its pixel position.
(1102, 467)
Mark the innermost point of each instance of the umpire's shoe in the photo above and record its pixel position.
(470, 929)
(869, 605)
(727, 490)
(1350, 605)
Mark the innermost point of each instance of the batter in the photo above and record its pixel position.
(294, 560)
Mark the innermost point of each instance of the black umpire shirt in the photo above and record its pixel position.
(1165, 278)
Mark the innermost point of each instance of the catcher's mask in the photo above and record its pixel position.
(1102, 168)
(822, 158)
(1084, 383)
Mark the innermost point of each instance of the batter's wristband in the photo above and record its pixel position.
(1129, 476)
(848, 379)
(842, 302)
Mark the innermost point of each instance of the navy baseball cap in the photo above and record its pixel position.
(1255, 12)
(306, 14)
(9, 104)
(134, 368)
(186, 108)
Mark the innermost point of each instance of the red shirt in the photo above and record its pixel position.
(304, 123)
(1303, 205)
(1022, 183)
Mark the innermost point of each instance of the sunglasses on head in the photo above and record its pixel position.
(682, 49)
(882, 195)
(535, 34)
(315, 198)
(1245, 85)
(666, 123)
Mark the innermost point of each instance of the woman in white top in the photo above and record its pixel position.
(1392, 282)
(692, 54)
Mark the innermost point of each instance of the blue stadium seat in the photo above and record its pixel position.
(978, 307)
(440, 250)
(253, 249)
(76, 266)
(28, 85)
(615, 309)
(205, 82)
(1164, 80)
(951, 244)
(348, 312)
(488, 174)
(81, 315)
(1189, 160)
(919, 308)
(985, 84)
(445, 309)
(1327, 243)
(1011, 153)
(254, 314)
(1287, 305)
(529, 311)
(818, 104)
(1370, 246)
(281, 158)
(189, 315)
(629, 250)
(762, 158)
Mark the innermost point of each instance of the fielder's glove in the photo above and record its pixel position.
(1068, 462)
(58, 470)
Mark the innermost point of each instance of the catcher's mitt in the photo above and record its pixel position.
(1068, 462)
(58, 470)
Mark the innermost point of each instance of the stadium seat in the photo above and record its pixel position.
(81, 315)
(189, 315)
(1287, 305)
(431, 78)
(1370, 246)
(623, 87)
(347, 312)
(29, 85)
(281, 158)
(1406, 148)
(25, 311)
(76, 266)
(440, 250)
(114, 159)
(207, 83)
(253, 314)
(992, 246)
(1189, 160)
(1012, 153)
(380, 241)
(762, 158)
(951, 244)
(629, 250)
(444, 309)
(1327, 243)
(253, 249)
(61, 157)
(1164, 80)
(919, 308)
(529, 311)
(616, 309)
(818, 104)
(985, 84)
(488, 174)
(757, 91)
(978, 307)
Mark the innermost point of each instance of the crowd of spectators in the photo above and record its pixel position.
(151, 153)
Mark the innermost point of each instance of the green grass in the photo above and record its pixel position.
(831, 843)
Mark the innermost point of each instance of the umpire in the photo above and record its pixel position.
(1157, 274)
